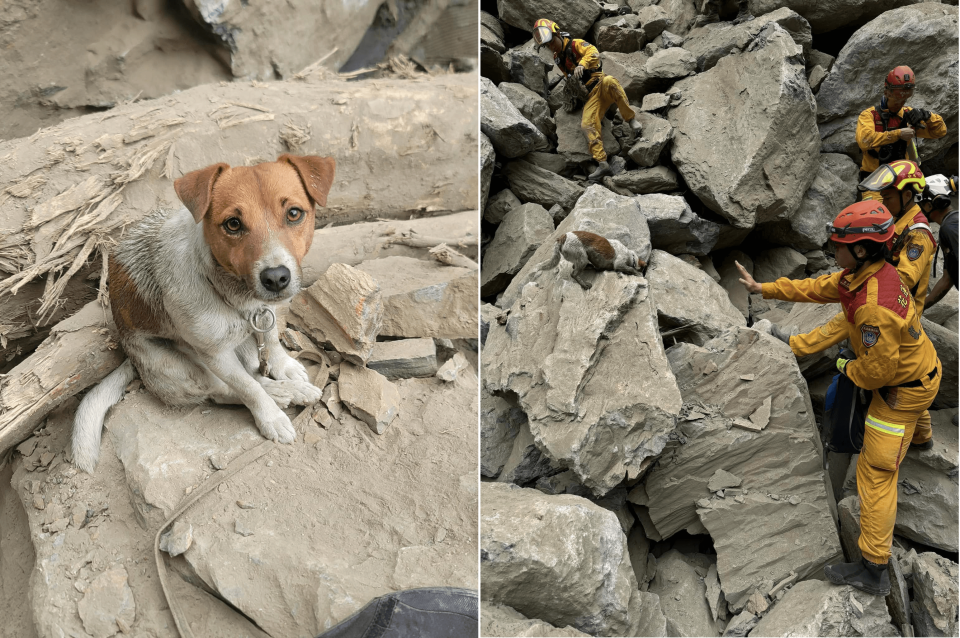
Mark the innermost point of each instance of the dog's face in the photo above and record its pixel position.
(259, 220)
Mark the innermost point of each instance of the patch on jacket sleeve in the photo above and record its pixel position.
(913, 332)
(870, 334)
(914, 251)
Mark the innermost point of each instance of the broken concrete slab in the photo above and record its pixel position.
(598, 211)
(404, 358)
(654, 137)
(682, 597)
(500, 423)
(569, 381)
(658, 179)
(935, 593)
(369, 396)
(783, 459)
(586, 582)
(688, 298)
(343, 308)
(425, 298)
(768, 87)
(519, 235)
(511, 134)
(818, 608)
(501, 620)
(531, 183)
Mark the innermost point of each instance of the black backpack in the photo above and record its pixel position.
(844, 414)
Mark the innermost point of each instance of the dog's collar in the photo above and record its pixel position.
(263, 320)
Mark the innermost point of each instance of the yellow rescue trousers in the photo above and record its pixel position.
(892, 421)
(606, 92)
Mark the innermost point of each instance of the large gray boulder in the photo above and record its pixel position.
(565, 352)
(599, 211)
(572, 143)
(618, 33)
(819, 608)
(653, 20)
(491, 32)
(654, 137)
(509, 131)
(711, 42)
(488, 158)
(935, 595)
(927, 496)
(834, 188)
(671, 64)
(760, 173)
(775, 263)
(921, 36)
(573, 16)
(526, 463)
(500, 423)
(947, 343)
(804, 317)
(561, 559)
(683, 597)
(756, 422)
(827, 16)
(520, 233)
(631, 72)
(687, 297)
(531, 105)
(526, 68)
(674, 227)
(531, 183)
(681, 13)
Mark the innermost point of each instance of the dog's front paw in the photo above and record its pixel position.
(277, 427)
(284, 367)
(289, 392)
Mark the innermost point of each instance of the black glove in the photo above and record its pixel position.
(914, 117)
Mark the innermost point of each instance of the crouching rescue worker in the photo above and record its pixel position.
(912, 251)
(895, 359)
(935, 204)
(886, 133)
(579, 61)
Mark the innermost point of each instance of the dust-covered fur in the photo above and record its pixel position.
(182, 290)
(582, 249)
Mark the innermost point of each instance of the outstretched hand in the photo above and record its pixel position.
(749, 283)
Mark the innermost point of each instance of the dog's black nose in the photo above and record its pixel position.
(275, 279)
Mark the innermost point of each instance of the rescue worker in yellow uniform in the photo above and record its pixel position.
(579, 61)
(886, 133)
(894, 359)
(912, 249)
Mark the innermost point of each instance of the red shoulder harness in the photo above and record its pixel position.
(892, 123)
(891, 293)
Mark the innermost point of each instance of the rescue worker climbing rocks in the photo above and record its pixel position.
(579, 61)
(885, 132)
(895, 360)
(912, 250)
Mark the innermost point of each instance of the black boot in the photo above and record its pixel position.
(863, 575)
(603, 169)
(926, 445)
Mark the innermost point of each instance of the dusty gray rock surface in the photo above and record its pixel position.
(500, 423)
(511, 134)
(531, 105)
(404, 358)
(675, 228)
(827, 17)
(587, 578)
(703, 148)
(819, 608)
(576, 16)
(654, 137)
(572, 143)
(682, 597)
(530, 183)
(501, 620)
(714, 41)
(518, 236)
(935, 589)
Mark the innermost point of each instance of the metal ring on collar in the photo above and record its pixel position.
(256, 319)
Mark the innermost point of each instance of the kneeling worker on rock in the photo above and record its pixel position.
(579, 61)
(895, 360)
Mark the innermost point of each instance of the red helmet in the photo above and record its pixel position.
(899, 174)
(901, 78)
(868, 220)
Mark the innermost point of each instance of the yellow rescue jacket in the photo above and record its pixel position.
(914, 253)
(576, 52)
(871, 135)
(881, 320)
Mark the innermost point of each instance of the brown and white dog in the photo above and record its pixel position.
(582, 249)
(186, 288)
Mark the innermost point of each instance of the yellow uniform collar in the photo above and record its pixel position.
(854, 281)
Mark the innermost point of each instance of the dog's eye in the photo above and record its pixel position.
(232, 225)
(294, 214)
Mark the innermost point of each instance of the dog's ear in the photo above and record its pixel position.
(195, 189)
(316, 173)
